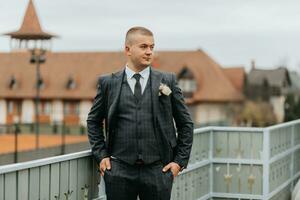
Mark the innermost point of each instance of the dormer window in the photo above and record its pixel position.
(71, 84)
(12, 83)
(187, 83)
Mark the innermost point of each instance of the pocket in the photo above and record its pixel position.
(107, 176)
(105, 173)
(173, 142)
(171, 174)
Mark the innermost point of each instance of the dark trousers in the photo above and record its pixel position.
(126, 182)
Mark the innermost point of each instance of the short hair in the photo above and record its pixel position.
(134, 30)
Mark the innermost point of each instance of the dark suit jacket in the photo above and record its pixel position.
(174, 147)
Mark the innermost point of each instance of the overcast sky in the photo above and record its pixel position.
(231, 31)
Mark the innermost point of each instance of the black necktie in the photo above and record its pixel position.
(137, 87)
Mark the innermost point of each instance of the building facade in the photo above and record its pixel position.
(68, 81)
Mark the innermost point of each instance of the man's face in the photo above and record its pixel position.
(140, 50)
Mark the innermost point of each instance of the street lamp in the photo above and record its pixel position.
(31, 36)
(37, 57)
(16, 132)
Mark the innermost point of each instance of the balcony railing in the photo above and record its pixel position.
(226, 163)
(71, 176)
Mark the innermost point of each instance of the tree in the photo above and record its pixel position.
(257, 113)
(291, 107)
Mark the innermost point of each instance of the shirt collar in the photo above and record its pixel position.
(144, 73)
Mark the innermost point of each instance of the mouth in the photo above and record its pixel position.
(147, 59)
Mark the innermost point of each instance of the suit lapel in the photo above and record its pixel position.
(117, 79)
(156, 79)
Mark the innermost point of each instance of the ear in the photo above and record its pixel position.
(127, 50)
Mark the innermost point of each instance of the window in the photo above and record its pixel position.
(12, 83)
(67, 109)
(186, 82)
(71, 84)
(45, 107)
(181, 84)
(188, 86)
(10, 107)
(14, 106)
(193, 85)
(71, 108)
(77, 109)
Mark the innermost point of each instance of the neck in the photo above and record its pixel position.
(135, 68)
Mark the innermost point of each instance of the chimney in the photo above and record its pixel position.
(253, 64)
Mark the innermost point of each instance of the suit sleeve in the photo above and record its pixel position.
(95, 121)
(184, 125)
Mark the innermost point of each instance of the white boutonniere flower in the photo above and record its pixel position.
(164, 89)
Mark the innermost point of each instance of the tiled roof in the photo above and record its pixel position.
(212, 83)
(237, 76)
(275, 77)
(85, 67)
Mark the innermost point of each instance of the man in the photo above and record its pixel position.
(140, 154)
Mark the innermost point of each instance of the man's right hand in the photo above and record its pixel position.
(104, 165)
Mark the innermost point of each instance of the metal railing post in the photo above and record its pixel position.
(266, 158)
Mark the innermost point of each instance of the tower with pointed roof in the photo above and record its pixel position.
(30, 35)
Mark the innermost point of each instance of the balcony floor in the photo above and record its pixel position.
(26, 142)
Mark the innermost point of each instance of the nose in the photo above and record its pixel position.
(149, 51)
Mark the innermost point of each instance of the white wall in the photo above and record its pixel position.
(84, 108)
(210, 112)
(278, 107)
(3, 111)
(27, 111)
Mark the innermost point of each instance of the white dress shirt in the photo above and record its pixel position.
(143, 80)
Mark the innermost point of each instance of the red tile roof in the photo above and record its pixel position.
(212, 83)
(237, 76)
(85, 67)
